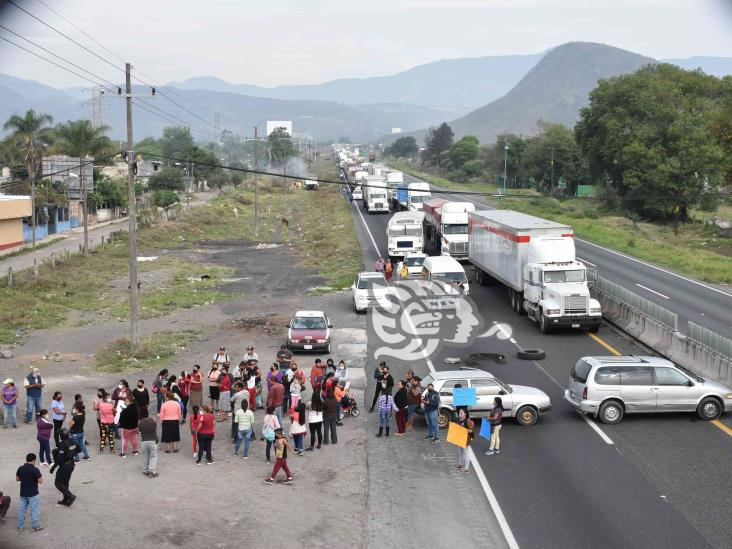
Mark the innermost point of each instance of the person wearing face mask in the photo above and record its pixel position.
(213, 386)
(341, 373)
(141, 396)
(195, 388)
(330, 366)
(431, 403)
(106, 418)
(58, 414)
(101, 393)
(119, 396)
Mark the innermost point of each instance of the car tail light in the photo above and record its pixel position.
(584, 393)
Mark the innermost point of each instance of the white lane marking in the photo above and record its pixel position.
(492, 499)
(652, 291)
(585, 261)
(631, 258)
(596, 428)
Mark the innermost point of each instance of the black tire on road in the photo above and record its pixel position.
(527, 416)
(709, 409)
(531, 354)
(543, 328)
(611, 412)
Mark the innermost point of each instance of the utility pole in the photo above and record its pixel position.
(84, 219)
(551, 183)
(505, 166)
(256, 182)
(131, 212)
(284, 179)
(33, 200)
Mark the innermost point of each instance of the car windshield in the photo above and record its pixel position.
(506, 386)
(689, 373)
(554, 277)
(455, 228)
(368, 283)
(419, 198)
(414, 261)
(308, 323)
(450, 277)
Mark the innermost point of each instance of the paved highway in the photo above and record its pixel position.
(705, 304)
(652, 481)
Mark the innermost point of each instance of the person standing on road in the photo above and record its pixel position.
(10, 404)
(184, 384)
(385, 406)
(275, 397)
(249, 379)
(401, 399)
(30, 478)
(378, 377)
(129, 421)
(464, 453)
(341, 373)
(496, 418)
(330, 418)
(271, 421)
(414, 399)
(299, 426)
(250, 355)
(244, 421)
(317, 375)
(43, 435)
(149, 446)
(281, 446)
(193, 422)
(224, 394)
(195, 397)
(431, 403)
(274, 373)
(286, 379)
(157, 387)
(141, 396)
(106, 418)
(33, 384)
(388, 270)
(240, 395)
(58, 414)
(206, 433)
(379, 265)
(119, 399)
(64, 462)
(315, 420)
(76, 430)
(284, 357)
(170, 418)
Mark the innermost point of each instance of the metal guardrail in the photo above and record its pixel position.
(639, 304)
(711, 340)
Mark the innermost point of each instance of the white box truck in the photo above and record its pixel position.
(535, 259)
(413, 195)
(404, 234)
(394, 179)
(374, 194)
(446, 227)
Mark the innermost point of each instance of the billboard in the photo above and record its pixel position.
(396, 130)
(272, 124)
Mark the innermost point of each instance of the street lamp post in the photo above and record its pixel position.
(505, 166)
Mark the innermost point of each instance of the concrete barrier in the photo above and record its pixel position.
(684, 350)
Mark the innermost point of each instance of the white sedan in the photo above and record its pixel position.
(369, 289)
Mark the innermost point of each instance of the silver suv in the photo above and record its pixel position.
(609, 387)
(523, 403)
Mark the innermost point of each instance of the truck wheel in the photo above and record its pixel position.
(543, 327)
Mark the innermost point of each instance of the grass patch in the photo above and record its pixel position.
(700, 251)
(154, 351)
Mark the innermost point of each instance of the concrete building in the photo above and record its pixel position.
(12, 211)
(69, 176)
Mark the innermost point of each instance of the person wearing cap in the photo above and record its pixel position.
(10, 403)
(250, 355)
(33, 384)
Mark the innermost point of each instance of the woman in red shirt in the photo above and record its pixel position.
(195, 388)
(184, 384)
(206, 432)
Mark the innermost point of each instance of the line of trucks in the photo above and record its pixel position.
(532, 257)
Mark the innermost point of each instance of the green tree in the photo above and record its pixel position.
(462, 151)
(80, 139)
(279, 145)
(109, 192)
(650, 135)
(437, 141)
(403, 147)
(149, 145)
(554, 154)
(167, 178)
(164, 197)
(34, 133)
(176, 140)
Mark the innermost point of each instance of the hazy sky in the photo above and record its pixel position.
(270, 42)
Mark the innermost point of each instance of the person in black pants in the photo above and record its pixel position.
(315, 420)
(330, 418)
(378, 376)
(64, 462)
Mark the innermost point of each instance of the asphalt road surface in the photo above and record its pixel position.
(568, 481)
(700, 302)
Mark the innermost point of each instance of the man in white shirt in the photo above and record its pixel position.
(250, 355)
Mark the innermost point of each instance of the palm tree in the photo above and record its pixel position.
(80, 138)
(33, 131)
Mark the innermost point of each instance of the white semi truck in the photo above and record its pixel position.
(446, 227)
(404, 234)
(535, 259)
(374, 194)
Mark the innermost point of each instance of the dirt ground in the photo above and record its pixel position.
(225, 504)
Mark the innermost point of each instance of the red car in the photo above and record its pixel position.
(309, 331)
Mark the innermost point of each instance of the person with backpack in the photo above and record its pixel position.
(464, 420)
(281, 447)
(269, 425)
(157, 387)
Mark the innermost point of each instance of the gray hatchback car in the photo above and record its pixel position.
(609, 387)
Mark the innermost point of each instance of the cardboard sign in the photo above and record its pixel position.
(485, 428)
(457, 435)
(464, 396)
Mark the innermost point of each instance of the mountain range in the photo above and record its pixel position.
(483, 96)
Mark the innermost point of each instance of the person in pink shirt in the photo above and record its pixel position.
(170, 415)
(106, 419)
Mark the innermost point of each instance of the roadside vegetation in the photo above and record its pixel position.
(659, 191)
(157, 350)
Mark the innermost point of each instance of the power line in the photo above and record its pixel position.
(62, 59)
(170, 117)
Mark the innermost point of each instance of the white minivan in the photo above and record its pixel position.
(446, 270)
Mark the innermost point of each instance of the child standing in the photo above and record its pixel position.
(281, 445)
(295, 388)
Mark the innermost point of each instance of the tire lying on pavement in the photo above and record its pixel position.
(531, 354)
